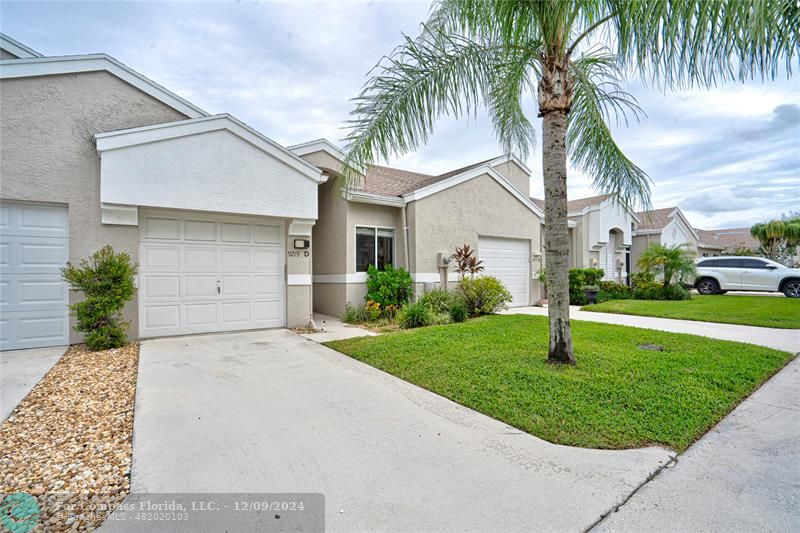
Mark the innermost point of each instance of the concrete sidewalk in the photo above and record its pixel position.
(744, 475)
(787, 340)
(269, 411)
(21, 370)
(333, 329)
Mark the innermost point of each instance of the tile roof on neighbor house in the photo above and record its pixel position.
(387, 181)
(655, 219)
(576, 205)
(728, 238)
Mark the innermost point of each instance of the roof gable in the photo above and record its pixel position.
(171, 130)
(49, 66)
(16, 48)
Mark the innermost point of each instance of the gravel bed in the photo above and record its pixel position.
(68, 443)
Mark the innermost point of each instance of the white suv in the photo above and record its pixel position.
(718, 275)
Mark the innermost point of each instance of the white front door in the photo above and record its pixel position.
(508, 261)
(203, 273)
(34, 246)
(611, 258)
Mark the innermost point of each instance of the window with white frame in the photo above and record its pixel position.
(374, 246)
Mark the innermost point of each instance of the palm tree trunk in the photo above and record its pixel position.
(556, 234)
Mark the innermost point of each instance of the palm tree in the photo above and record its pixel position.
(573, 54)
(778, 238)
(670, 261)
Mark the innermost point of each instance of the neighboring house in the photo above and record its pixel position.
(415, 221)
(670, 227)
(600, 230)
(218, 216)
(731, 240)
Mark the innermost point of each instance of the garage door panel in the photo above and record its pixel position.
(162, 228)
(267, 234)
(238, 258)
(162, 258)
(267, 311)
(200, 259)
(200, 230)
(200, 285)
(34, 247)
(161, 286)
(234, 232)
(162, 316)
(230, 275)
(201, 314)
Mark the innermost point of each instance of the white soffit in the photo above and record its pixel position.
(15, 47)
(318, 145)
(160, 132)
(49, 66)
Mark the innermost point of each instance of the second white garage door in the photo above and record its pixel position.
(507, 260)
(202, 273)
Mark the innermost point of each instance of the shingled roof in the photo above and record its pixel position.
(576, 205)
(387, 181)
(655, 219)
(728, 238)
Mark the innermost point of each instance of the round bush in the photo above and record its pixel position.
(458, 313)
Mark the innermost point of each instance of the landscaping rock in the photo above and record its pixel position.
(68, 443)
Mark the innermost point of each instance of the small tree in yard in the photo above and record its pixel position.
(466, 261)
(673, 262)
(107, 280)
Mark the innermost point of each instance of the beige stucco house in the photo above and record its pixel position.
(415, 221)
(218, 216)
(670, 227)
(601, 234)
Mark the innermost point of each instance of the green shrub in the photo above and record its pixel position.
(610, 290)
(107, 281)
(354, 314)
(483, 295)
(440, 319)
(642, 278)
(437, 300)
(657, 291)
(458, 312)
(580, 278)
(390, 286)
(414, 315)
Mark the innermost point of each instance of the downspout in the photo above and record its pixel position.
(404, 224)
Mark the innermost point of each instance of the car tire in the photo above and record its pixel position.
(792, 289)
(707, 286)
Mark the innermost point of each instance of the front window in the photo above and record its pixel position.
(374, 246)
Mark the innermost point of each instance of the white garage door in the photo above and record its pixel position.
(507, 260)
(201, 273)
(34, 246)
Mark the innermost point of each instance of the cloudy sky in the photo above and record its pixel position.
(729, 156)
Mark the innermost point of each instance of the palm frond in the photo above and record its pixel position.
(598, 100)
(682, 43)
(423, 79)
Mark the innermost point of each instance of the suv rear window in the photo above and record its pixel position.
(728, 263)
(752, 263)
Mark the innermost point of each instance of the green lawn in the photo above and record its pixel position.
(619, 396)
(767, 311)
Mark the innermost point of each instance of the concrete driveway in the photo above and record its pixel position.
(270, 411)
(21, 370)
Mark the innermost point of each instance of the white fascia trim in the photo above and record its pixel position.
(466, 176)
(600, 205)
(48, 66)
(505, 158)
(298, 279)
(570, 223)
(17, 48)
(369, 198)
(318, 145)
(159, 132)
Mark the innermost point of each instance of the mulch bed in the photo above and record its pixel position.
(68, 443)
